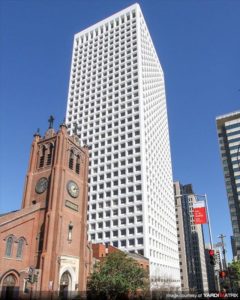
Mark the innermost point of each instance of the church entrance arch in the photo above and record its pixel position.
(10, 288)
(65, 285)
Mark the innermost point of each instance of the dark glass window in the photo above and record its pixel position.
(9, 244)
(20, 248)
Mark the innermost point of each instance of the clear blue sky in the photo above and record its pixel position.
(198, 43)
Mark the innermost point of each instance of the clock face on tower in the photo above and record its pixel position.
(41, 185)
(72, 189)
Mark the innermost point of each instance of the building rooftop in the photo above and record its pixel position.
(136, 256)
(229, 116)
(9, 212)
(108, 19)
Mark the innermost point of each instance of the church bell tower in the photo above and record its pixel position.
(57, 180)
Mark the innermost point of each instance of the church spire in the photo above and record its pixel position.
(50, 121)
(50, 132)
(63, 123)
(37, 133)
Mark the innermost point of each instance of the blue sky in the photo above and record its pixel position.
(198, 43)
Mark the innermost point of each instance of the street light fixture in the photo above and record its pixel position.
(208, 216)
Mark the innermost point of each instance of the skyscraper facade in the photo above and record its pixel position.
(117, 105)
(191, 241)
(228, 127)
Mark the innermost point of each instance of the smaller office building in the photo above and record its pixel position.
(190, 241)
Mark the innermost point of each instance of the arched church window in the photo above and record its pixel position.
(50, 154)
(65, 279)
(78, 164)
(9, 245)
(10, 287)
(10, 280)
(42, 157)
(20, 248)
(65, 285)
(71, 160)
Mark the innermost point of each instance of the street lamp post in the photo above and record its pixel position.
(221, 237)
(208, 216)
(209, 223)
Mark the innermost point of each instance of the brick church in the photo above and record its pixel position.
(43, 246)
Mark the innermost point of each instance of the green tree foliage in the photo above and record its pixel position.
(234, 268)
(234, 274)
(117, 275)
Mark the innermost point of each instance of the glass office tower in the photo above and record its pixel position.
(228, 127)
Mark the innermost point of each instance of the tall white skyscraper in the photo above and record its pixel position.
(117, 99)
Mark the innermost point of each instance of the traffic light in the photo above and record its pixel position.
(35, 278)
(223, 274)
(30, 278)
(211, 257)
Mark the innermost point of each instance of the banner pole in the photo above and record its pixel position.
(208, 222)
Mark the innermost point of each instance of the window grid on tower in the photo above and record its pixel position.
(104, 93)
(116, 85)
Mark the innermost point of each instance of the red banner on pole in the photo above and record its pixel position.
(199, 213)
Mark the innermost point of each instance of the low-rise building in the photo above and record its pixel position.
(100, 252)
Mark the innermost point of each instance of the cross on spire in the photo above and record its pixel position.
(50, 121)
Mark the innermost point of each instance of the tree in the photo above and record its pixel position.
(117, 275)
(234, 273)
